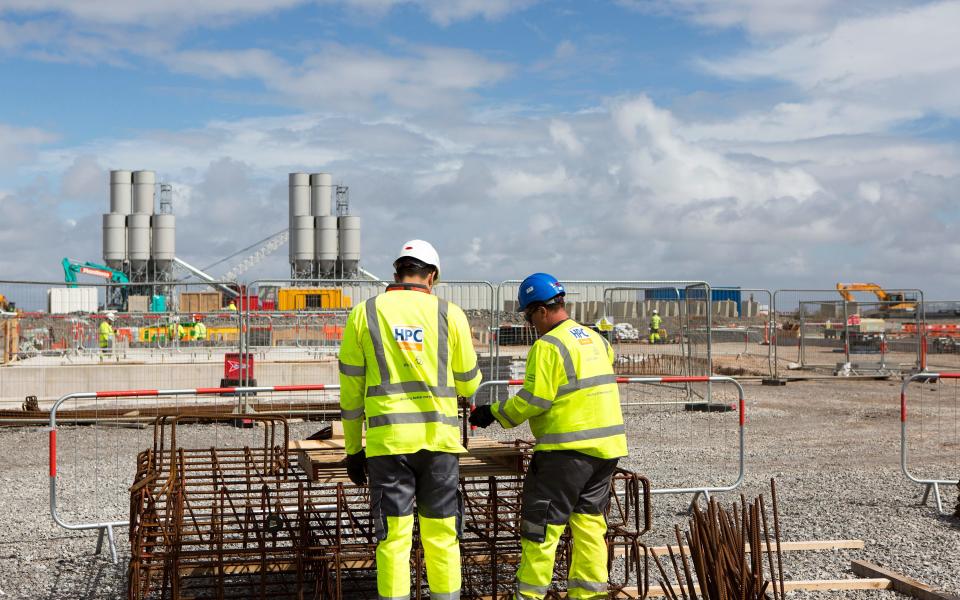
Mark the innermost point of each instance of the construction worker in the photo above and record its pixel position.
(571, 399)
(232, 307)
(199, 329)
(107, 335)
(405, 357)
(655, 323)
(175, 330)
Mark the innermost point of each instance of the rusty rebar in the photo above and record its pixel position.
(242, 522)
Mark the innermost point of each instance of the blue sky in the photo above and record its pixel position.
(745, 142)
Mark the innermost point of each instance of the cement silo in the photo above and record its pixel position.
(349, 250)
(138, 245)
(114, 240)
(301, 247)
(163, 246)
(144, 192)
(299, 195)
(321, 194)
(327, 246)
(121, 192)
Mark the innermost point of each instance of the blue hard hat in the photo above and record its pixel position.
(539, 287)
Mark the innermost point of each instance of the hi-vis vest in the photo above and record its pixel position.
(106, 334)
(569, 394)
(406, 356)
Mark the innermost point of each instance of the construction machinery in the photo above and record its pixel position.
(5, 305)
(893, 304)
(116, 295)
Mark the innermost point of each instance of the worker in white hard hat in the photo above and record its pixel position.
(405, 357)
(655, 324)
(107, 334)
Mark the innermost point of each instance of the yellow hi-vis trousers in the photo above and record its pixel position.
(441, 550)
(432, 478)
(565, 487)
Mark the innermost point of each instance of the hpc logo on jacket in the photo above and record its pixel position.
(581, 335)
(409, 337)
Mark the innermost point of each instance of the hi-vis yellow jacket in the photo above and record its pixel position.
(406, 356)
(569, 394)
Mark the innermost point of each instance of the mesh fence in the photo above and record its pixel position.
(169, 334)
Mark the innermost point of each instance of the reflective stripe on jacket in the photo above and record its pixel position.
(569, 394)
(405, 357)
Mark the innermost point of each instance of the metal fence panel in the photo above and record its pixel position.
(621, 309)
(681, 421)
(740, 340)
(930, 431)
(283, 329)
(48, 353)
(95, 438)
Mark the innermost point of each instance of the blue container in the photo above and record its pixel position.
(695, 293)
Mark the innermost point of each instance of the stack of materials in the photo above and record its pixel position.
(284, 521)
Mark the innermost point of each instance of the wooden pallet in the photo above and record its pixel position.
(324, 461)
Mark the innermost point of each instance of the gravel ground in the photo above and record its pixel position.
(832, 446)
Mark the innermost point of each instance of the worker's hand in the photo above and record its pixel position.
(481, 416)
(357, 467)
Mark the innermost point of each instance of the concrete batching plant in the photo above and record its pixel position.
(324, 237)
(136, 239)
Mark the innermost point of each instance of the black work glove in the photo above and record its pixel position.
(357, 467)
(481, 416)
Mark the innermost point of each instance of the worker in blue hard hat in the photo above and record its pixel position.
(571, 399)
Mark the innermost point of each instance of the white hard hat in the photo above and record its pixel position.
(111, 316)
(655, 311)
(422, 251)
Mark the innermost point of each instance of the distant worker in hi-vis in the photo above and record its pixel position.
(406, 356)
(656, 323)
(106, 333)
(571, 399)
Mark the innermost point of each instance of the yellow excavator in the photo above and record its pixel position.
(4, 305)
(895, 304)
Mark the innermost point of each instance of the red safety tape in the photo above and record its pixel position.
(127, 393)
(903, 407)
(216, 390)
(515, 382)
(53, 453)
(743, 412)
(948, 375)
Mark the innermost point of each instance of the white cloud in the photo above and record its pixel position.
(643, 198)
(19, 144)
(445, 12)
(563, 135)
(211, 12)
(902, 60)
(347, 77)
(148, 14)
(762, 17)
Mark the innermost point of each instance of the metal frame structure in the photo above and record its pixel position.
(106, 528)
(930, 485)
(921, 316)
(705, 491)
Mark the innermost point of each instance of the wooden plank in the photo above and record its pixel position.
(810, 585)
(901, 583)
(823, 585)
(788, 546)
